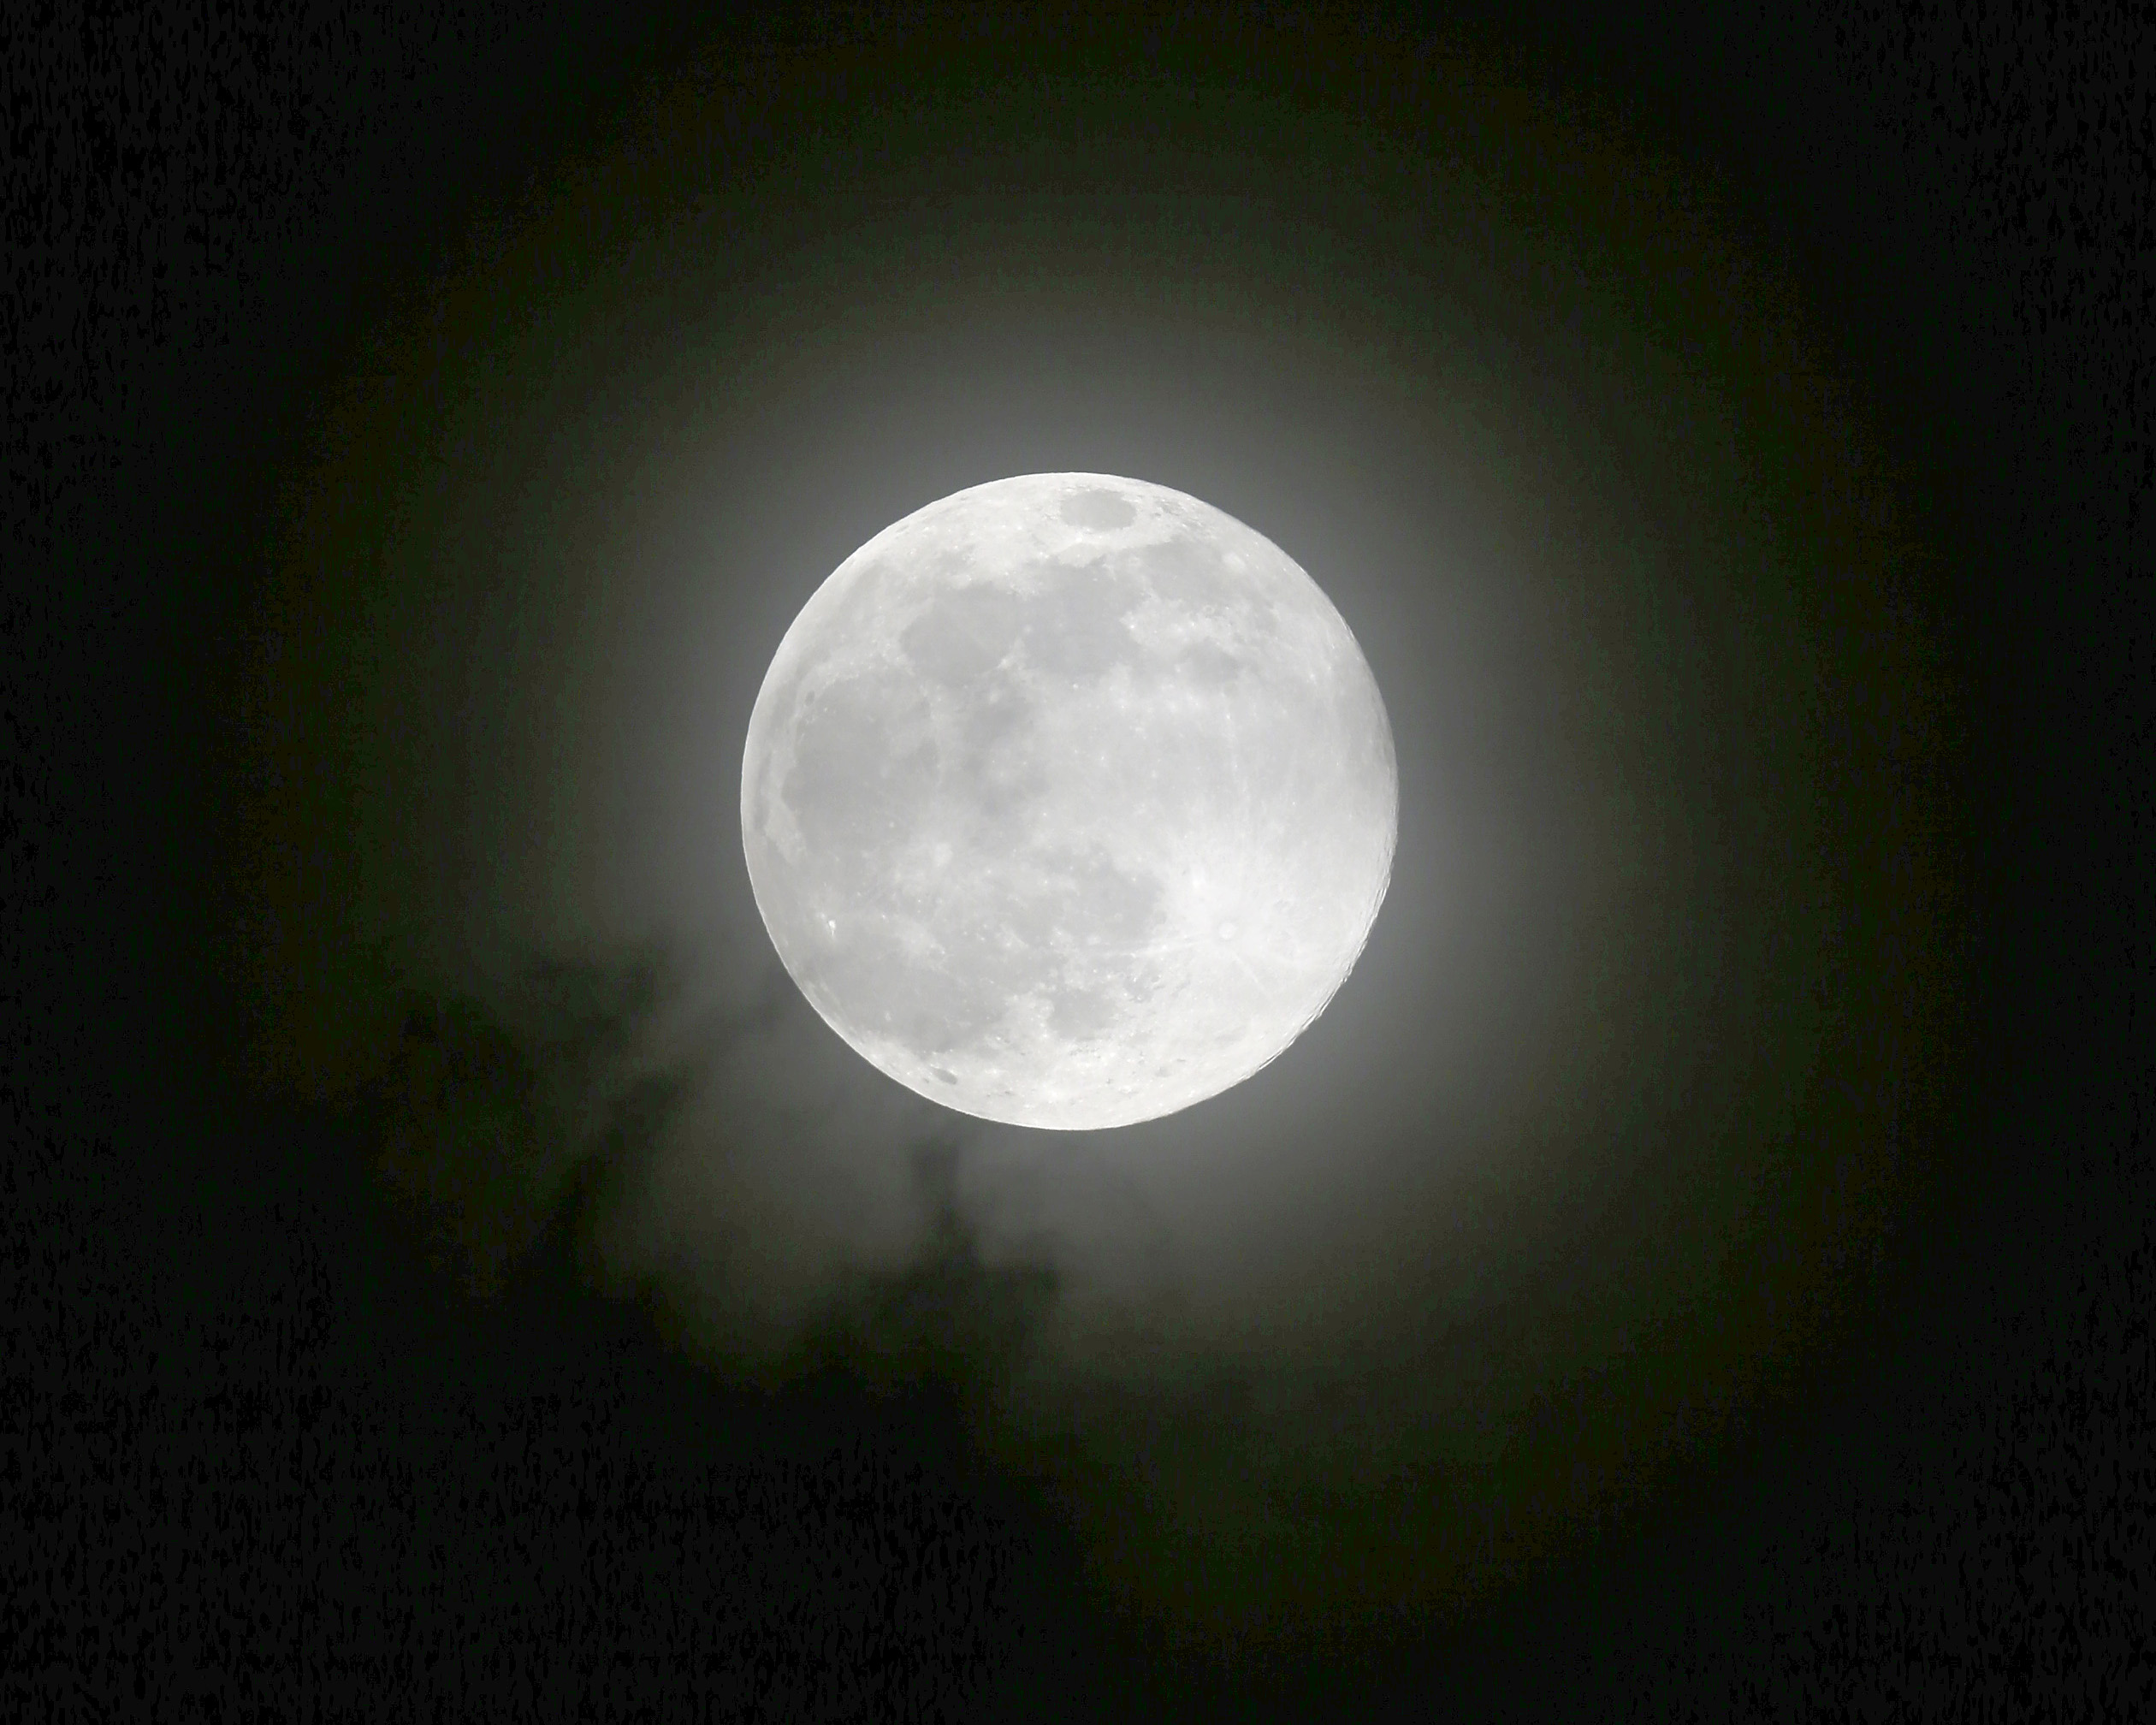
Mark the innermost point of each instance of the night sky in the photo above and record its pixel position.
(1690, 1269)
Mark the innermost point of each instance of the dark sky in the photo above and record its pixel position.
(1690, 1265)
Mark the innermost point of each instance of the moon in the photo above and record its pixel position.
(1069, 801)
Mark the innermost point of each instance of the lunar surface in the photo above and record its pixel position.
(1069, 801)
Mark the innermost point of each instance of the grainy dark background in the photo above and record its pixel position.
(303, 1411)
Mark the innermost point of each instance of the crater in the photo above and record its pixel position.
(1097, 511)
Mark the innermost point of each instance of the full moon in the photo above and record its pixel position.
(1069, 801)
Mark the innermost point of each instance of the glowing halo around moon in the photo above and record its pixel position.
(1069, 801)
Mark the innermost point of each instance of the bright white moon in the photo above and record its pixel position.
(1069, 801)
